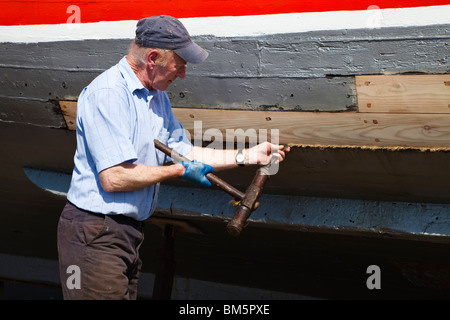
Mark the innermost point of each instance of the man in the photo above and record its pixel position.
(117, 169)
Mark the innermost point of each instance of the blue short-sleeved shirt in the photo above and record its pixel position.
(117, 121)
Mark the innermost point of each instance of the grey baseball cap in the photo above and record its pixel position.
(166, 32)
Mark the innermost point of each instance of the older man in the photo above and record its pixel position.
(117, 170)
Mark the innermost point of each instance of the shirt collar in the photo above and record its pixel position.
(130, 77)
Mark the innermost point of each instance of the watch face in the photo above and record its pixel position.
(240, 158)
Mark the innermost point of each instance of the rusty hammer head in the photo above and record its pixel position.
(248, 203)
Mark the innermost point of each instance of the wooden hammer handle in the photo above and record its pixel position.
(238, 195)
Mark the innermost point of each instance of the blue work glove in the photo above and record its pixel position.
(195, 172)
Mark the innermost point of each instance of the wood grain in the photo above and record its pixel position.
(328, 129)
(403, 93)
(311, 128)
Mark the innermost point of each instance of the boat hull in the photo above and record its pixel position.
(331, 211)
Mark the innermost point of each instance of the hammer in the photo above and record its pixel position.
(246, 202)
(249, 202)
(238, 195)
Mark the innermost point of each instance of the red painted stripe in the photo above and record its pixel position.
(24, 12)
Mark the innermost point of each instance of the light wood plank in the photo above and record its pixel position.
(69, 111)
(329, 129)
(403, 93)
(313, 128)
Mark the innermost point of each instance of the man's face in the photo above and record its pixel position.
(166, 73)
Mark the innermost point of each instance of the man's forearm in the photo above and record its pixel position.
(260, 154)
(131, 177)
(218, 159)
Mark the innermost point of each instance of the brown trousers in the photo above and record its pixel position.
(98, 255)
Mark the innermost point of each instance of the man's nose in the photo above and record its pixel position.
(182, 72)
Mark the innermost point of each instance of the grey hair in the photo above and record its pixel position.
(139, 54)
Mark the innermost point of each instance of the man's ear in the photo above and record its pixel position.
(152, 56)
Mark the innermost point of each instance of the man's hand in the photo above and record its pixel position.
(195, 173)
(262, 153)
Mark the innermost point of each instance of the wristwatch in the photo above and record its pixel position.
(240, 157)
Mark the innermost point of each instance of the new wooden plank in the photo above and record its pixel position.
(311, 128)
(327, 129)
(69, 111)
(403, 93)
